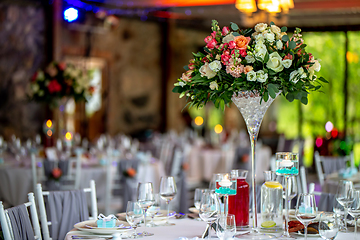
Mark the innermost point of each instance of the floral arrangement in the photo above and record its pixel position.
(130, 172)
(60, 80)
(264, 60)
(56, 174)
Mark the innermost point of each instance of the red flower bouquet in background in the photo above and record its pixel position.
(56, 174)
(60, 80)
(130, 172)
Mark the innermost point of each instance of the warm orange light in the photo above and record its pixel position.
(286, 5)
(49, 133)
(274, 7)
(49, 123)
(247, 6)
(218, 129)
(199, 121)
(264, 4)
(352, 57)
(68, 136)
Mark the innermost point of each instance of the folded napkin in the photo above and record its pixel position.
(347, 173)
(106, 222)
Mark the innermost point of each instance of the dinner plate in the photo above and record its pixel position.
(159, 215)
(193, 210)
(91, 226)
(309, 234)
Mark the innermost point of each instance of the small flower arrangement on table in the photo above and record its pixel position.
(60, 80)
(130, 172)
(56, 174)
(264, 60)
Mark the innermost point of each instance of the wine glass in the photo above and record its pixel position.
(134, 215)
(225, 227)
(154, 209)
(329, 225)
(167, 193)
(197, 197)
(354, 208)
(305, 209)
(145, 198)
(291, 189)
(209, 209)
(339, 210)
(343, 197)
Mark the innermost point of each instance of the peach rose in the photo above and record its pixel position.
(247, 69)
(242, 42)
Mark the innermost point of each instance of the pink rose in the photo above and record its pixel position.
(208, 39)
(213, 34)
(243, 52)
(225, 58)
(211, 44)
(232, 44)
(225, 31)
(288, 56)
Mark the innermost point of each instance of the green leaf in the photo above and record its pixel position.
(285, 38)
(197, 54)
(177, 89)
(216, 103)
(323, 80)
(284, 29)
(182, 94)
(292, 45)
(186, 67)
(274, 87)
(272, 23)
(236, 34)
(290, 97)
(234, 26)
(272, 93)
(266, 96)
(304, 100)
(266, 59)
(222, 104)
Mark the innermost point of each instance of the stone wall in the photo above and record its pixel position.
(22, 51)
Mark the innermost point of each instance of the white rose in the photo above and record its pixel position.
(35, 87)
(215, 66)
(316, 66)
(261, 54)
(261, 76)
(206, 71)
(259, 38)
(260, 27)
(251, 76)
(294, 76)
(228, 38)
(250, 59)
(275, 62)
(279, 44)
(270, 37)
(214, 85)
(275, 29)
(287, 63)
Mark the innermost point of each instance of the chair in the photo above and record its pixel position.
(37, 170)
(327, 165)
(16, 223)
(72, 178)
(326, 202)
(303, 179)
(56, 204)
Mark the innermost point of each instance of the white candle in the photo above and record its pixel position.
(286, 163)
(225, 182)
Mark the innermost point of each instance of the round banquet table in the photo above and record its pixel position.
(191, 228)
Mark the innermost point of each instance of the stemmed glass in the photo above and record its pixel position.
(209, 209)
(343, 197)
(339, 210)
(354, 209)
(134, 215)
(167, 193)
(225, 227)
(329, 224)
(145, 198)
(197, 197)
(287, 165)
(154, 209)
(305, 209)
(291, 188)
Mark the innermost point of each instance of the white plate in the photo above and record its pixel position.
(193, 210)
(160, 215)
(309, 234)
(91, 226)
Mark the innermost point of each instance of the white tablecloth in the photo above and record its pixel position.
(192, 228)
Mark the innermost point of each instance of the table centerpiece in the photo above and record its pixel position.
(250, 68)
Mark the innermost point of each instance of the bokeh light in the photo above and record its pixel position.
(319, 142)
(329, 126)
(199, 121)
(68, 136)
(218, 128)
(49, 133)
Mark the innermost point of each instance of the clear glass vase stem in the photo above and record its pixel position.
(253, 175)
(286, 233)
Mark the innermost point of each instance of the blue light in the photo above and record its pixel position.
(71, 14)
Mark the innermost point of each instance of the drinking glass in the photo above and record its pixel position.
(209, 209)
(225, 227)
(343, 197)
(339, 210)
(291, 189)
(305, 209)
(354, 208)
(154, 210)
(167, 193)
(145, 198)
(134, 215)
(197, 197)
(329, 225)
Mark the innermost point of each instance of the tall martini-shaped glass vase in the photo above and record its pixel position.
(253, 111)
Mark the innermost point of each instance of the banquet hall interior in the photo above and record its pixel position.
(121, 122)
